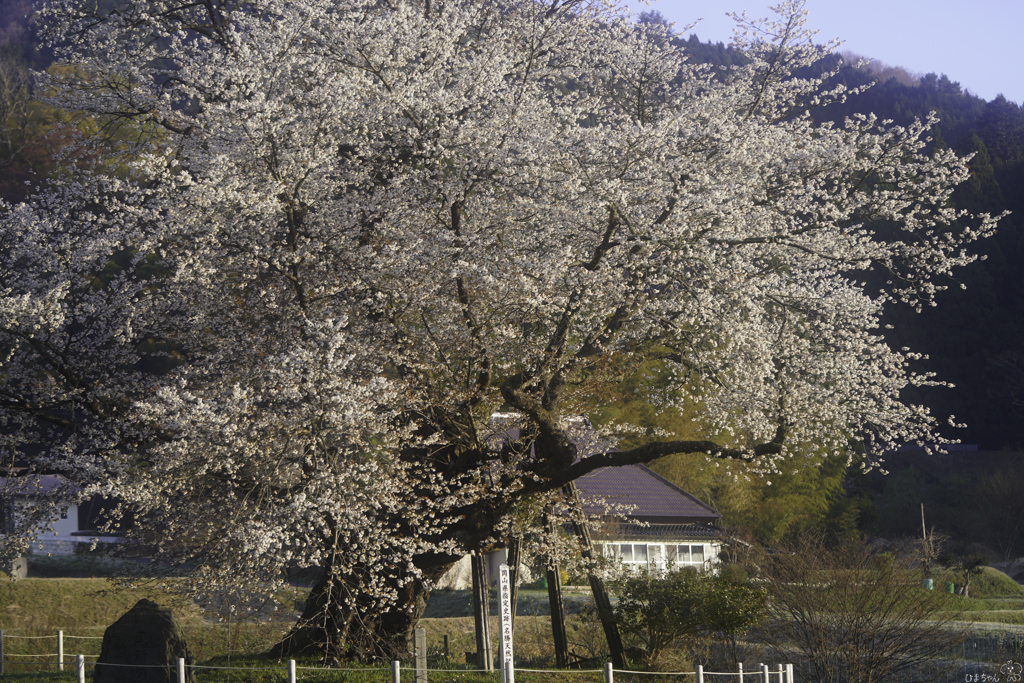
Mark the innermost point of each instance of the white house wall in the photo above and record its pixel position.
(61, 539)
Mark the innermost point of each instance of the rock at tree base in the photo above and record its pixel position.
(146, 635)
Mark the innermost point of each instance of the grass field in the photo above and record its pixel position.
(233, 645)
(83, 607)
(33, 610)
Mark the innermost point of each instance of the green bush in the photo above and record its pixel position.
(657, 610)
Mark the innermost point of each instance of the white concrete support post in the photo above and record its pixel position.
(291, 671)
(181, 670)
(396, 672)
(790, 678)
(782, 675)
(700, 673)
(420, 643)
(80, 668)
(741, 672)
(60, 650)
(764, 673)
(609, 675)
(508, 671)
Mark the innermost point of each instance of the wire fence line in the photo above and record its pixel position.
(763, 675)
(781, 674)
(59, 654)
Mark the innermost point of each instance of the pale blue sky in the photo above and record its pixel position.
(979, 43)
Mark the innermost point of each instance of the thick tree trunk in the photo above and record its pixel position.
(339, 623)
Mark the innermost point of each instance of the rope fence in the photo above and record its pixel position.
(782, 674)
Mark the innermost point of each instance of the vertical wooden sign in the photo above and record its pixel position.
(505, 642)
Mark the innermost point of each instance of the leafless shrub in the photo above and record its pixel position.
(15, 109)
(857, 616)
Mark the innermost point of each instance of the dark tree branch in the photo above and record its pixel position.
(653, 451)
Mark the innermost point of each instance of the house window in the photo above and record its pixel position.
(685, 555)
(633, 553)
(637, 555)
(658, 556)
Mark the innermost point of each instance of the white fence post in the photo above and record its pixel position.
(60, 650)
(80, 668)
(291, 671)
(181, 670)
(396, 672)
(782, 676)
(790, 678)
(741, 672)
(609, 676)
(700, 673)
(764, 673)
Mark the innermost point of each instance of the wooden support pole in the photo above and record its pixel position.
(558, 631)
(482, 612)
(515, 553)
(601, 599)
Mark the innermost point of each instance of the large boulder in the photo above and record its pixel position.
(146, 635)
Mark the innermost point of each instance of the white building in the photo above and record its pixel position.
(75, 528)
(663, 525)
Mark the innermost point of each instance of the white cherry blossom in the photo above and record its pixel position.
(342, 233)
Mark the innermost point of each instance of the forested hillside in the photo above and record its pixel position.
(973, 336)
